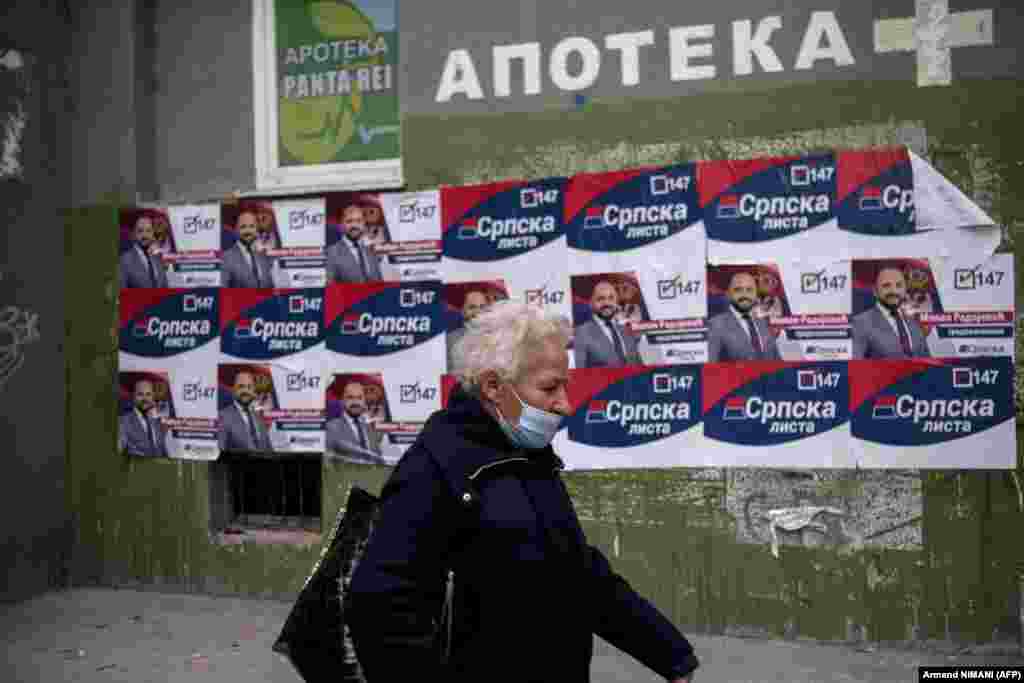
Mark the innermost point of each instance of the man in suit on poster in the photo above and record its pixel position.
(349, 259)
(737, 334)
(884, 330)
(601, 342)
(472, 304)
(350, 434)
(241, 428)
(141, 266)
(140, 433)
(244, 265)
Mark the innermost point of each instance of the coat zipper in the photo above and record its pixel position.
(489, 465)
(480, 470)
(448, 614)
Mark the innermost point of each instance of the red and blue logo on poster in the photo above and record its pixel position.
(623, 407)
(622, 210)
(263, 324)
(381, 318)
(924, 402)
(760, 200)
(500, 220)
(768, 403)
(875, 192)
(157, 323)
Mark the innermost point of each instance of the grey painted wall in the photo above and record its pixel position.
(164, 93)
(203, 100)
(35, 526)
(102, 150)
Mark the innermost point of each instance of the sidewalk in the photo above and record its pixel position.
(100, 635)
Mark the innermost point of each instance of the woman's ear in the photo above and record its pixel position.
(490, 385)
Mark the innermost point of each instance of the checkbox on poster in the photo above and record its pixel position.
(963, 378)
(963, 278)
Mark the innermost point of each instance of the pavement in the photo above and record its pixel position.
(105, 635)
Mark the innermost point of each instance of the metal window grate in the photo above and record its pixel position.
(279, 492)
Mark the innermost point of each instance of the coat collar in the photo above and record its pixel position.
(466, 440)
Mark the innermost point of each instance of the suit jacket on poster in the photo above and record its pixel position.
(341, 438)
(728, 341)
(342, 265)
(236, 271)
(874, 337)
(135, 441)
(593, 348)
(135, 275)
(234, 432)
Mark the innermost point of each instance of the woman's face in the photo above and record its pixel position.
(543, 384)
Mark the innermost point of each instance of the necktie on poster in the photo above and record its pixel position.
(620, 351)
(755, 338)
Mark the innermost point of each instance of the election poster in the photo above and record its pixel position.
(167, 359)
(145, 236)
(375, 417)
(770, 209)
(390, 338)
(777, 414)
(940, 308)
(512, 231)
(614, 323)
(190, 248)
(298, 260)
(356, 405)
(326, 94)
(273, 244)
(383, 236)
(894, 204)
(641, 231)
(786, 311)
(463, 301)
(935, 413)
(279, 335)
(834, 310)
(977, 312)
(632, 417)
(144, 403)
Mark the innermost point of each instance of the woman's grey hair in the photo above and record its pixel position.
(502, 338)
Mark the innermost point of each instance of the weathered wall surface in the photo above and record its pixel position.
(835, 555)
(34, 541)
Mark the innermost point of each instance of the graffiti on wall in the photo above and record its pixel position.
(18, 328)
(14, 82)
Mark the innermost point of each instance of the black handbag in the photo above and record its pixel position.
(315, 637)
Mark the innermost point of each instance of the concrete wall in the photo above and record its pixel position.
(35, 527)
(905, 556)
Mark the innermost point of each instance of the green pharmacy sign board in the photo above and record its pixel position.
(327, 109)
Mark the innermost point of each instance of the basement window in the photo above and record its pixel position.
(266, 499)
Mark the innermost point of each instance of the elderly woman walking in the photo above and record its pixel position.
(479, 500)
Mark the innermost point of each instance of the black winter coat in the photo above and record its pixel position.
(529, 591)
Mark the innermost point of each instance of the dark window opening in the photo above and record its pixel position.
(266, 499)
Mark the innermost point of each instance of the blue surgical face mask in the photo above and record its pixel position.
(535, 429)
